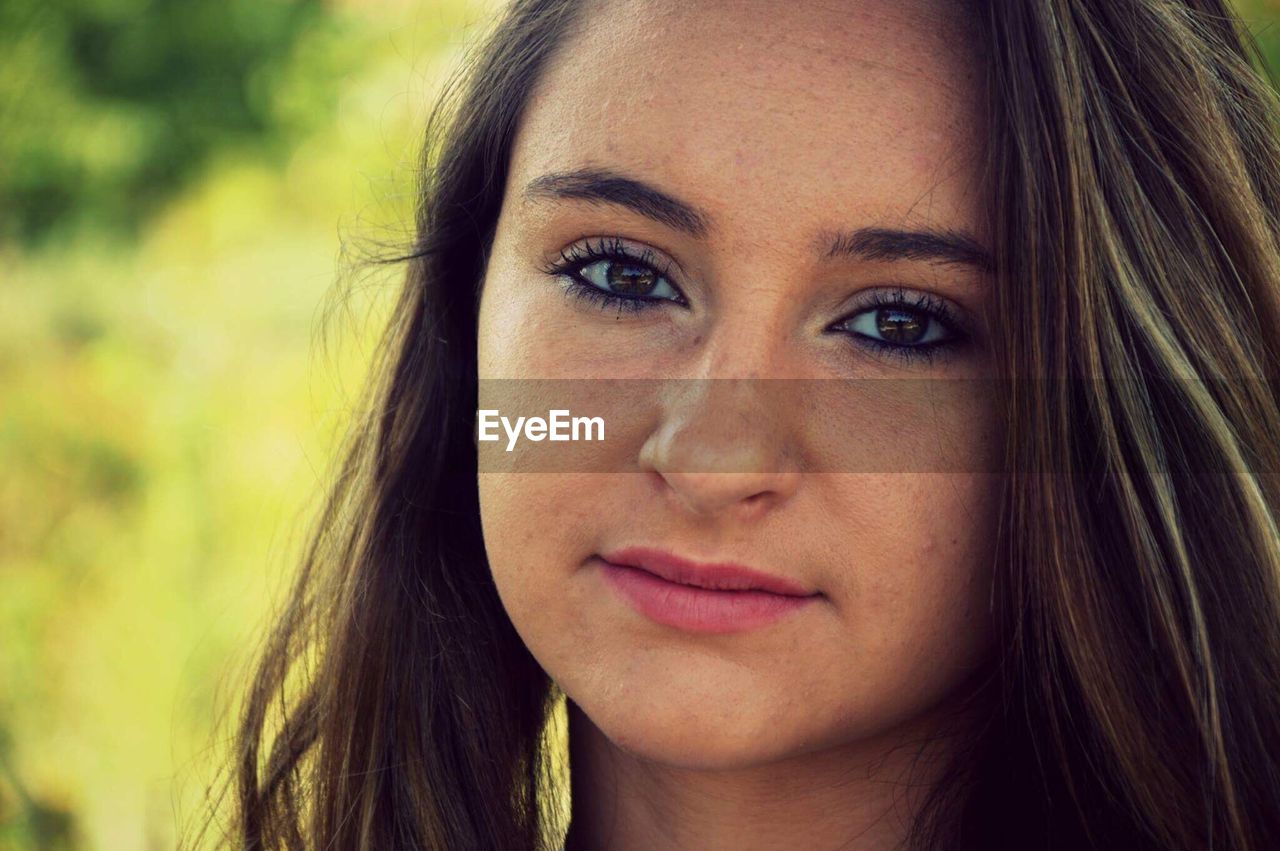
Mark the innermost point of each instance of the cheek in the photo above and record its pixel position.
(508, 327)
(539, 529)
(536, 530)
(919, 571)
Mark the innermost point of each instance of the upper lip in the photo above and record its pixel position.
(721, 576)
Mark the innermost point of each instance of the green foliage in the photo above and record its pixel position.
(177, 363)
(109, 107)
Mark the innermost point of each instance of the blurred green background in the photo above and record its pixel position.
(185, 186)
(185, 190)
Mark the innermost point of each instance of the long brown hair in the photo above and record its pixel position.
(1134, 169)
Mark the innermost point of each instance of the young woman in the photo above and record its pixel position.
(771, 627)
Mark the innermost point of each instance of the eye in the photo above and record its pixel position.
(611, 273)
(905, 325)
(628, 279)
(897, 326)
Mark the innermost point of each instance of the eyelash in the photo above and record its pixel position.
(568, 267)
(574, 259)
(930, 307)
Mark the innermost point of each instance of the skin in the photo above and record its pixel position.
(781, 123)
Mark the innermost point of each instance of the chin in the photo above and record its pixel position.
(705, 737)
(692, 750)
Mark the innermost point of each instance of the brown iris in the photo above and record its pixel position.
(631, 279)
(899, 326)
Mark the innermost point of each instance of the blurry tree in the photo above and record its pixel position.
(107, 107)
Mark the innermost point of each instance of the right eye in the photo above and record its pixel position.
(611, 273)
(627, 278)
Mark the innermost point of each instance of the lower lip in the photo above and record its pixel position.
(699, 609)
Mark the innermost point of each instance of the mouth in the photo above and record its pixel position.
(701, 597)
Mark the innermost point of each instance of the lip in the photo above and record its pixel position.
(701, 597)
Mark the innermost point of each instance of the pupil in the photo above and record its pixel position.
(898, 326)
(631, 279)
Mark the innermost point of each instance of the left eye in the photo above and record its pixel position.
(896, 326)
(628, 280)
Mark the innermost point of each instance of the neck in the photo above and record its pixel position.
(861, 797)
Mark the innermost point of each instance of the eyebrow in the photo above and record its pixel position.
(602, 186)
(606, 187)
(938, 246)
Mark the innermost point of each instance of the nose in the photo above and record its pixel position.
(723, 446)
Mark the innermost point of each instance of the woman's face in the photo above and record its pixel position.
(771, 175)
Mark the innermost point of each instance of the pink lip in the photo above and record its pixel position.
(699, 597)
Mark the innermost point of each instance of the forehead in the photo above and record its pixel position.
(817, 114)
